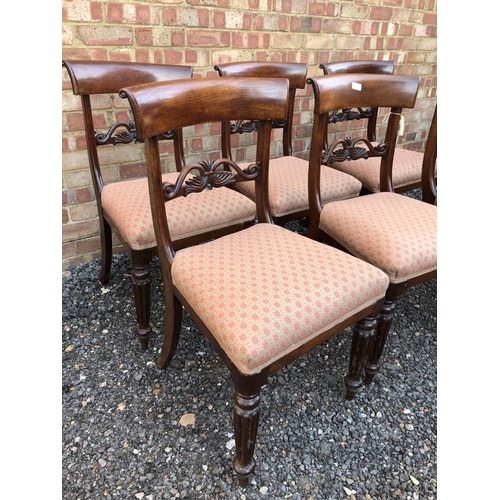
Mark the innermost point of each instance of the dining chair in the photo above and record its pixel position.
(263, 296)
(288, 173)
(392, 231)
(406, 172)
(123, 205)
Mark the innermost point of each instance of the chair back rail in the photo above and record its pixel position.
(372, 67)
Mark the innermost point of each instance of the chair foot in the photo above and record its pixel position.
(173, 323)
(143, 335)
(106, 251)
(352, 387)
(370, 371)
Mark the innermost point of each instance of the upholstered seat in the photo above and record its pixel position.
(292, 291)
(288, 186)
(403, 246)
(127, 205)
(406, 170)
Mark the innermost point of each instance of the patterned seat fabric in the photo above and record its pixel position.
(290, 298)
(288, 185)
(395, 233)
(406, 170)
(127, 204)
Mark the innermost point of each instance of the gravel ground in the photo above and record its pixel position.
(133, 431)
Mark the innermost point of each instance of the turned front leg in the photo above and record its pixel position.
(384, 325)
(246, 422)
(362, 340)
(141, 284)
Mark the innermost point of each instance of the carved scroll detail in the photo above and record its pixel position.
(347, 114)
(125, 137)
(210, 176)
(242, 127)
(349, 150)
(130, 136)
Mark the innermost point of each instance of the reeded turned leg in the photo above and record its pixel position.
(141, 284)
(386, 316)
(364, 332)
(246, 422)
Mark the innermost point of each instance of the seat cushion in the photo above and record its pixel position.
(266, 290)
(288, 178)
(127, 205)
(395, 233)
(406, 169)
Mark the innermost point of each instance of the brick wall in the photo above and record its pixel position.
(203, 33)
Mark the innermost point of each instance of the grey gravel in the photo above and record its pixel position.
(122, 435)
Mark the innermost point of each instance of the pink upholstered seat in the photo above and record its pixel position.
(396, 233)
(289, 297)
(406, 170)
(288, 186)
(127, 204)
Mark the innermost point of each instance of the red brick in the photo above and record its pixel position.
(105, 35)
(96, 11)
(382, 13)
(65, 216)
(114, 12)
(133, 171)
(219, 17)
(317, 8)
(144, 36)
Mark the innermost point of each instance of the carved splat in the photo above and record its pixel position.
(347, 149)
(125, 137)
(347, 114)
(128, 137)
(208, 175)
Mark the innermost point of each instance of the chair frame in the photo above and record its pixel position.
(335, 92)
(296, 73)
(264, 100)
(90, 78)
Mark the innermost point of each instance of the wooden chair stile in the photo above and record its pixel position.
(263, 296)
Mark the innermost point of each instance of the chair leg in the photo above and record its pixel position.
(246, 422)
(141, 284)
(384, 325)
(173, 322)
(106, 251)
(362, 340)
